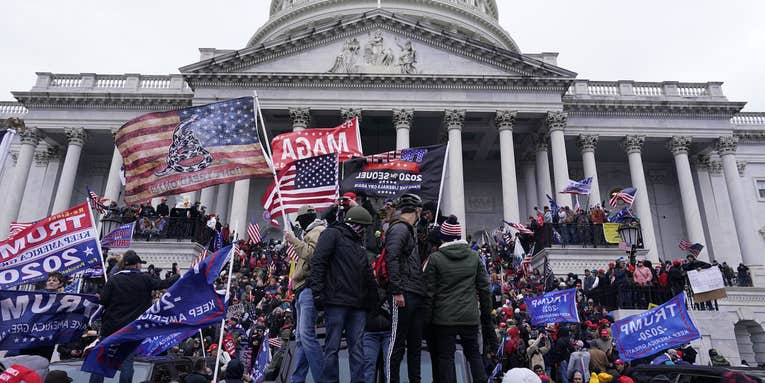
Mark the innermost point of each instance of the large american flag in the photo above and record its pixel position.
(253, 230)
(308, 181)
(220, 140)
(626, 195)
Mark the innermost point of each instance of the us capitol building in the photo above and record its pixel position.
(420, 72)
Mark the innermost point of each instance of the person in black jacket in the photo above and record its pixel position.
(126, 296)
(343, 285)
(407, 286)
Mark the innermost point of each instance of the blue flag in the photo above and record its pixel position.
(621, 215)
(578, 187)
(38, 318)
(553, 307)
(553, 205)
(261, 362)
(190, 304)
(119, 238)
(654, 330)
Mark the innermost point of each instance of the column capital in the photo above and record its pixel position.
(76, 136)
(634, 144)
(556, 121)
(715, 167)
(402, 118)
(587, 142)
(454, 119)
(30, 136)
(528, 157)
(726, 145)
(350, 113)
(701, 161)
(42, 158)
(741, 165)
(679, 144)
(505, 119)
(540, 142)
(300, 118)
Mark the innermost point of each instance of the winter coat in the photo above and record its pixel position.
(642, 276)
(304, 250)
(126, 296)
(579, 361)
(455, 275)
(536, 351)
(340, 271)
(403, 260)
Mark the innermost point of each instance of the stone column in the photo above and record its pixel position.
(238, 220)
(742, 214)
(587, 144)
(207, 199)
(505, 120)
(402, 121)
(530, 183)
(29, 137)
(300, 118)
(113, 183)
(349, 113)
(453, 201)
(679, 146)
(221, 201)
(634, 148)
(76, 139)
(556, 123)
(544, 187)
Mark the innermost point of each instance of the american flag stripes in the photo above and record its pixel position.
(291, 253)
(625, 195)
(200, 258)
(275, 342)
(309, 181)
(253, 230)
(97, 202)
(526, 264)
(188, 149)
(519, 227)
(693, 248)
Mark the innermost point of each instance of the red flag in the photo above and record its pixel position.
(344, 140)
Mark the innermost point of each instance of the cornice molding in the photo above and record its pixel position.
(750, 136)
(656, 109)
(112, 101)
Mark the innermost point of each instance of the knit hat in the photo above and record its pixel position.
(451, 229)
(521, 375)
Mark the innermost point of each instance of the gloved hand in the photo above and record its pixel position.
(318, 302)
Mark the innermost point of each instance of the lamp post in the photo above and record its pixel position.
(629, 232)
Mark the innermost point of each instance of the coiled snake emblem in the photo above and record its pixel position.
(185, 147)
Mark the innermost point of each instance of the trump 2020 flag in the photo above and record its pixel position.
(261, 362)
(578, 187)
(553, 307)
(65, 242)
(654, 330)
(187, 149)
(188, 305)
(119, 238)
(38, 318)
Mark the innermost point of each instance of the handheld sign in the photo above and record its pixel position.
(553, 307)
(654, 330)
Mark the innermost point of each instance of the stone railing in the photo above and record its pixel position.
(749, 118)
(12, 109)
(53, 82)
(480, 6)
(666, 89)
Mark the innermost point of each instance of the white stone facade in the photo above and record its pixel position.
(421, 72)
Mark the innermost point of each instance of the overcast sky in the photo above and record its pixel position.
(647, 40)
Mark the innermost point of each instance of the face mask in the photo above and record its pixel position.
(358, 229)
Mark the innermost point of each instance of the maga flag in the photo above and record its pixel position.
(416, 170)
(345, 140)
(188, 305)
(188, 149)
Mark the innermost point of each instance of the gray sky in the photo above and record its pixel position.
(648, 40)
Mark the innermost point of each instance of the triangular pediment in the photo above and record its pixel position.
(378, 44)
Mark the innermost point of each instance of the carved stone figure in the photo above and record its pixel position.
(407, 59)
(346, 61)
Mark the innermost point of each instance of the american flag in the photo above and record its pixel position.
(200, 258)
(18, 227)
(526, 264)
(291, 253)
(275, 342)
(253, 230)
(626, 195)
(578, 187)
(693, 248)
(221, 140)
(308, 181)
(519, 227)
(97, 202)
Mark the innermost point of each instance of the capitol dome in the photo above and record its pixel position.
(474, 19)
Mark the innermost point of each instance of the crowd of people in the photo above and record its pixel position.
(386, 280)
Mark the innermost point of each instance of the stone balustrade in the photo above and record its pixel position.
(749, 118)
(12, 109)
(53, 82)
(586, 89)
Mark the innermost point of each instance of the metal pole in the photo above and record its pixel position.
(223, 320)
(268, 157)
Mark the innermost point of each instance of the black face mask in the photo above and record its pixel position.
(305, 220)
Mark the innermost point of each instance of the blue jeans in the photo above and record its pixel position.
(341, 319)
(374, 344)
(308, 353)
(126, 371)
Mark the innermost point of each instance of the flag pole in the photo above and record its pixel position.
(441, 186)
(98, 241)
(259, 114)
(202, 341)
(223, 320)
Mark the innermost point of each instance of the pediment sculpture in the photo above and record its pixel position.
(376, 57)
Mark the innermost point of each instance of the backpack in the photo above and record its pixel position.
(379, 268)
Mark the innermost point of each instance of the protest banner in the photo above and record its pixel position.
(345, 140)
(611, 232)
(119, 238)
(66, 242)
(39, 318)
(416, 170)
(235, 311)
(707, 284)
(654, 330)
(188, 305)
(553, 307)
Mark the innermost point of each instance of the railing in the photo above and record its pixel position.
(645, 89)
(12, 109)
(66, 81)
(126, 82)
(156, 228)
(110, 82)
(749, 118)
